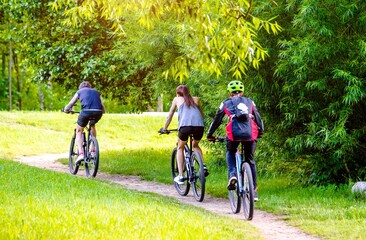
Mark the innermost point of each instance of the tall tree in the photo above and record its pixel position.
(10, 76)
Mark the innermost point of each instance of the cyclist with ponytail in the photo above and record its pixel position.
(190, 121)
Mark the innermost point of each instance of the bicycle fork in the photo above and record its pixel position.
(238, 171)
(84, 143)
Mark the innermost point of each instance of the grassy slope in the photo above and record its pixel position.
(130, 145)
(40, 204)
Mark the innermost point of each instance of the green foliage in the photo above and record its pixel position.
(66, 54)
(86, 53)
(18, 26)
(99, 41)
(320, 74)
(212, 34)
(207, 34)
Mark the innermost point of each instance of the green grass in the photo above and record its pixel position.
(40, 204)
(131, 145)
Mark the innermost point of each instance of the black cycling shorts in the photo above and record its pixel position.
(84, 117)
(184, 133)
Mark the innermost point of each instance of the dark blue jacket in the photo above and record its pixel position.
(247, 128)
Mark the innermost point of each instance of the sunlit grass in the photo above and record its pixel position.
(27, 133)
(30, 133)
(40, 204)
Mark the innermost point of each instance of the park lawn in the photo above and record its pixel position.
(42, 204)
(131, 145)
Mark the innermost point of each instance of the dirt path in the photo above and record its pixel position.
(270, 226)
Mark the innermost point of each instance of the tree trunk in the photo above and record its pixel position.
(9, 74)
(41, 97)
(160, 104)
(3, 65)
(19, 81)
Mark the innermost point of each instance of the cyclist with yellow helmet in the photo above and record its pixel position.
(245, 126)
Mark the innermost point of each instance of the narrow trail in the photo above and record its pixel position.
(271, 227)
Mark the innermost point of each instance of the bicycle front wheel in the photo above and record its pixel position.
(73, 155)
(182, 189)
(92, 158)
(248, 191)
(199, 180)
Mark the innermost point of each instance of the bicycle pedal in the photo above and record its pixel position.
(231, 187)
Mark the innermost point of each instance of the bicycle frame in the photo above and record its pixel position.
(188, 160)
(86, 138)
(239, 161)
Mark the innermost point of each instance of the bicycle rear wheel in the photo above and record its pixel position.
(248, 191)
(234, 198)
(199, 180)
(73, 155)
(92, 158)
(182, 189)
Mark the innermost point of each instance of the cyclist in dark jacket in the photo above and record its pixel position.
(91, 107)
(245, 126)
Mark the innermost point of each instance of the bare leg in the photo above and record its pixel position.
(93, 131)
(79, 138)
(197, 148)
(180, 156)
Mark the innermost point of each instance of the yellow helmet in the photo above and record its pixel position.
(235, 86)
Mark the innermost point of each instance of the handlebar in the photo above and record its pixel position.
(217, 139)
(161, 131)
(71, 111)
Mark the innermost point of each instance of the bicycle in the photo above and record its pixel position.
(243, 194)
(193, 172)
(91, 152)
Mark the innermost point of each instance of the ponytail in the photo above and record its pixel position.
(183, 91)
